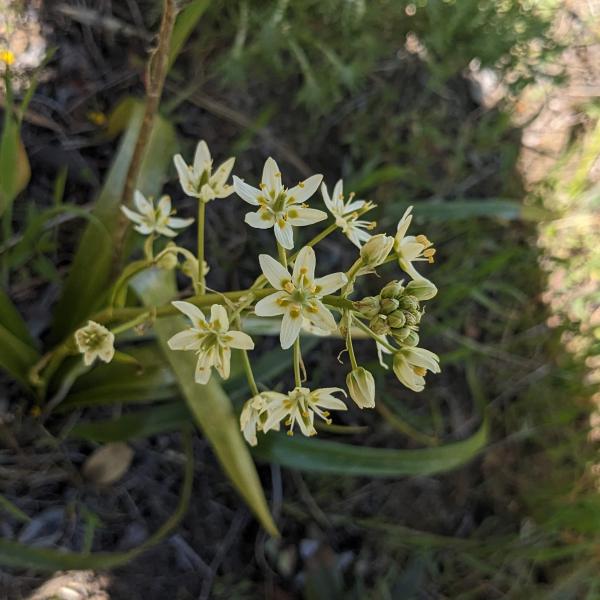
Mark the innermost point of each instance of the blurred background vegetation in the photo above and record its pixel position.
(482, 114)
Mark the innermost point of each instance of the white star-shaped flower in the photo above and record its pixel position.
(254, 415)
(154, 220)
(345, 214)
(298, 296)
(95, 341)
(279, 207)
(411, 365)
(300, 406)
(411, 248)
(212, 340)
(198, 179)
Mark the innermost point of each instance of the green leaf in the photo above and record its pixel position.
(138, 424)
(16, 357)
(457, 210)
(209, 405)
(93, 265)
(184, 25)
(11, 319)
(14, 554)
(324, 456)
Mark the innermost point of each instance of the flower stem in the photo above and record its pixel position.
(297, 359)
(377, 338)
(349, 345)
(131, 324)
(282, 255)
(201, 221)
(247, 366)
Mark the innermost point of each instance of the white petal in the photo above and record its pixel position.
(191, 311)
(271, 176)
(202, 374)
(221, 175)
(223, 363)
(269, 306)
(164, 230)
(420, 357)
(185, 340)
(184, 175)
(132, 215)
(276, 274)
(305, 265)
(410, 250)
(338, 196)
(299, 217)
(142, 204)
(305, 189)
(328, 202)
(179, 223)
(202, 158)
(246, 192)
(321, 317)
(403, 224)
(240, 340)
(352, 206)
(290, 330)
(284, 235)
(330, 283)
(261, 219)
(164, 206)
(144, 229)
(218, 318)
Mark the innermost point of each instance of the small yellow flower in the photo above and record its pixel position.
(7, 57)
(95, 341)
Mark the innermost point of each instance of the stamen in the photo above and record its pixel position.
(420, 371)
(288, 286)
(301, 184)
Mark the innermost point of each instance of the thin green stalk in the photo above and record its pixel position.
(297, 359)
(132, 323)
(201, 222)
(349, 345)
(282, 254)
(246, 364)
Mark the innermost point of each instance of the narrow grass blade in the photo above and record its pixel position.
(11, 319)
(16, 357)
(184, 25)
(323, 456)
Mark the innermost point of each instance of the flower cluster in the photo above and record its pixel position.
(288, 293)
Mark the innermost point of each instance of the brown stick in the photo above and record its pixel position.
(156, 73)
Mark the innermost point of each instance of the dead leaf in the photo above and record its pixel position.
(108, 464)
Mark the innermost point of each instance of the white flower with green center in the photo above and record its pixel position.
(411, 248)
(345, 214)
(411, 366)
(212, 340)
(279, 207)
(198, 180)
(95, 341)
(255, 413)
(298, 296)
(157, 220)
(300, 407)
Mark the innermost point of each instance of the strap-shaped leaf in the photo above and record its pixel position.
(324, 456)
(93, 265)
(15, 554)
(209, 405)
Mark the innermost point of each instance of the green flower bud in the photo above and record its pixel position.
(412, 319)
(412, 339)
(392, 290)
(422, 289)
(369, 306)
(376, 250)
(361, 386)
(389, 305)
(397, 319)
(401, 334)
(379, 325)
(410, 303)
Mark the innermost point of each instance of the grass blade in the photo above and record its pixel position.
(184, 25)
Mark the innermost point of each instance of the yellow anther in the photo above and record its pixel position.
(281, 222)
(262, 185)
(304, 205)
(301, 184)
(288, 286)
(422, 239)
(292, 214)
(290, 432)
(372, 225)
(312, 308)
(278, 174)
(265, 216)
(428, 254)
(420, 371)
(294, 313)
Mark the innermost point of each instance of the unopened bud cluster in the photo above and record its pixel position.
(397, 310)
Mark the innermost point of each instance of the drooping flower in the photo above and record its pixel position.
(279, 207)
(345, 214)
(212, 340)
(95, 341)
(198, 180)
(361, 386)
(298, 296)
(411, 366)
(255, 413)
(300, 407)
(412, 248)
(154, 220)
